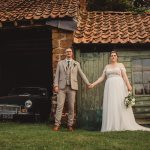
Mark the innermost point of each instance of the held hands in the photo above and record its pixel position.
(90, 86)
(56, 88)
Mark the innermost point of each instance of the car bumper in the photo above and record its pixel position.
(23, 117)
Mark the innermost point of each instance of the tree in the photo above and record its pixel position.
(118, 5)
(141, 3)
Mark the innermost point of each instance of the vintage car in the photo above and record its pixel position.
(25, 104)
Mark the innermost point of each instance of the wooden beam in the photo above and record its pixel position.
(1, 25)
(15, 23)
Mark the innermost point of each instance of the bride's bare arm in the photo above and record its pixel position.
(99, 80)
(125, 77)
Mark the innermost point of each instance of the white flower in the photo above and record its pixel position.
(129, 100)
(75, 64)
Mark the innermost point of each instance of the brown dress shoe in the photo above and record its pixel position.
(55, 128)
(70, 128)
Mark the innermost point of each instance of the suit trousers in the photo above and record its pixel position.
(64, 94)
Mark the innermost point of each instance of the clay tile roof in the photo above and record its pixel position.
(14, 10)
(112, 27)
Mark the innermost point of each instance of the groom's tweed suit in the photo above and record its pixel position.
(66, 80)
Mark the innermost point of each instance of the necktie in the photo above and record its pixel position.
(68, 63)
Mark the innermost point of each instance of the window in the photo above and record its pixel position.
(141, 76)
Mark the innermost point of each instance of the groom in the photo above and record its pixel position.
(66, 85)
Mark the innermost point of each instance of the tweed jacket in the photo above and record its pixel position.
(60, 76)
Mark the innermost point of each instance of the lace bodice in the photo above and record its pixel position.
(110, 72)
(116, 71)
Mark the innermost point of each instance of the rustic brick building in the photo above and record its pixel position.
(34, 35)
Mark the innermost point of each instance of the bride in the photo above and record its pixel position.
(116, 117)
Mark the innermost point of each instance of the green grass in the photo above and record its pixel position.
(19, 136)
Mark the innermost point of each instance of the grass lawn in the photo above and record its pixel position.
(19, 136)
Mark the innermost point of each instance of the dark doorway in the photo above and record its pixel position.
(25, 59)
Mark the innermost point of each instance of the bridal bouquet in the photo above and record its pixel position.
(129, 100)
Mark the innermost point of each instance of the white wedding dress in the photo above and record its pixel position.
(116, 117)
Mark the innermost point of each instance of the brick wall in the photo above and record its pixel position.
(60, 41)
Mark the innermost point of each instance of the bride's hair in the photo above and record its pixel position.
(114, 52)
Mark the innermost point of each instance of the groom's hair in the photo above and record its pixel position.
(70, 48)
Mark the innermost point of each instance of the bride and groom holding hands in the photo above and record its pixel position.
(115, 116)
